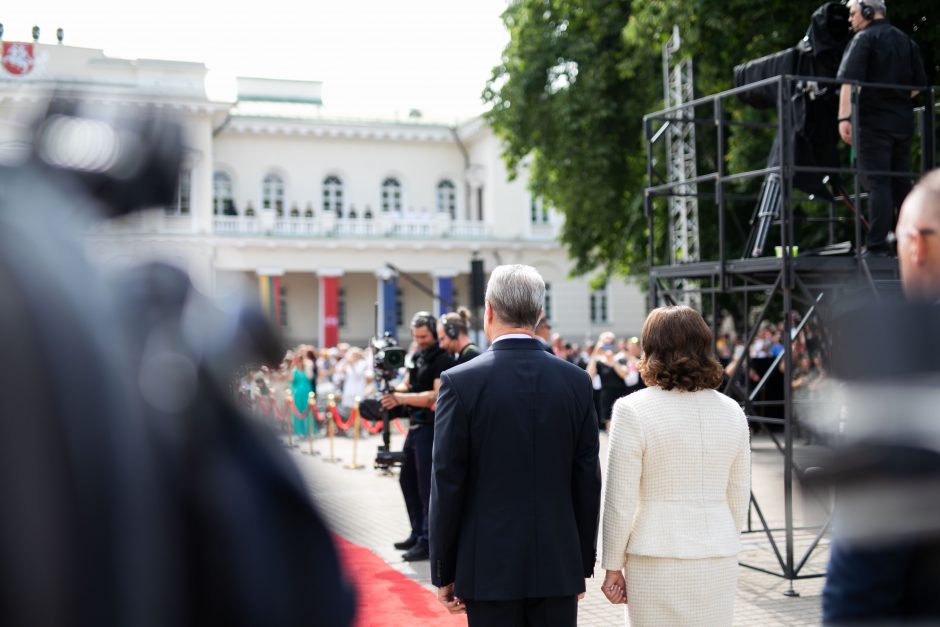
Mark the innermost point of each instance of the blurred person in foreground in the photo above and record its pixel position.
(515, 491)
(678, 482)
(918, 241)
(453, 335)
(134, 490)
(888, 571)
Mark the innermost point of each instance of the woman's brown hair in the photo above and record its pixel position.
(677, 351)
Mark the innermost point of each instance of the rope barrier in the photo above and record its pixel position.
(374, 428)
(342, 425)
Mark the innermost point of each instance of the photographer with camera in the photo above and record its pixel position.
(612, 371)
(419, 393)
(453, 333)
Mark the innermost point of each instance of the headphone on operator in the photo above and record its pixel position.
(868, 12)
(455, 323)
(425, 319)
(450, 329)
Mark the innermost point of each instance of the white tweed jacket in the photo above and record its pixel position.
(678, 476)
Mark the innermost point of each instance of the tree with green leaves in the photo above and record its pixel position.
(578, 75)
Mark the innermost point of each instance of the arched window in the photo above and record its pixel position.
(272, 194)
(333, 194)
(447, 198)
(223, 204)
(391, 195)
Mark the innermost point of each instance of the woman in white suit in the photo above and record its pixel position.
(678, 482)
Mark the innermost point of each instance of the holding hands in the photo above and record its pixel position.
(615, 587)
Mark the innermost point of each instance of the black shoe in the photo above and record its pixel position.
(417, 553)
(404, 545)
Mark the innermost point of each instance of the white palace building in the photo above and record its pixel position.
(325, 216)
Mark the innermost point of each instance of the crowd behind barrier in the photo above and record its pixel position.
(313, 388)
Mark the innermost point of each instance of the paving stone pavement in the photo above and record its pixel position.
(366, 507)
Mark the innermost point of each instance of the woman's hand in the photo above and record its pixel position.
(615, 587)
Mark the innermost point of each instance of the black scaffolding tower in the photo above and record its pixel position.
(780, 284)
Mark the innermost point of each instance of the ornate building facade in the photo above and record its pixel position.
(332, 221)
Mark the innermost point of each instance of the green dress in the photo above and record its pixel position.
(300, 387)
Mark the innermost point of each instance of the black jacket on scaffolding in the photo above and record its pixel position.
(814, 106)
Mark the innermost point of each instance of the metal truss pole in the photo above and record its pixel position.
(680, 146)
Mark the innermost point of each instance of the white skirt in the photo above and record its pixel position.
(670, 592)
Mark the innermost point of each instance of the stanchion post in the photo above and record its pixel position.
(312, 415)
(289, 406)
(330, 428)
(356, 422)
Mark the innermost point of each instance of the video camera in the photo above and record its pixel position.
(388, 358)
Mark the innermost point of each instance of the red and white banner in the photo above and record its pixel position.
(18, 58)
(329, 310)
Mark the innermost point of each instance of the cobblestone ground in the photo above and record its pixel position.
(365, 506)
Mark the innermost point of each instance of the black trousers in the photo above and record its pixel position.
(883, 585)
(885, 152)
(545, 612)
(415, 478)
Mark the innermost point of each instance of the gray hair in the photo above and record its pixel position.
(877, 5)
(515, 293)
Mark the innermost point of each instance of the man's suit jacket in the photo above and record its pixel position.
(515, 485)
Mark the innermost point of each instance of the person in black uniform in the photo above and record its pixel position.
(880, 53)
(419, 391)
(453, 335)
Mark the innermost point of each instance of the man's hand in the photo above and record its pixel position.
(453, 604)
(845, 131)
(615, 587)
(389, 401)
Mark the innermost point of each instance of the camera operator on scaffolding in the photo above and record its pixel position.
(419, 392)
(879, 53)
(453, 333)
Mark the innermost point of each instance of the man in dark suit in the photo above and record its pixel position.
(516, 482)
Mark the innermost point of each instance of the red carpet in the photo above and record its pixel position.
(387, 598)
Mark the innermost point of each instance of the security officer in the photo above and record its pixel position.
(419, 391)
(453, 333)
(880, 53)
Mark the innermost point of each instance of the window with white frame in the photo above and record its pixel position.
(538, 212)
(183, 195)
(391, 195)
(600, 313)
(272, 194)
(447, 198)
(333, 194)
(223, 201)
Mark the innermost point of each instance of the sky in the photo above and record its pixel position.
(375, 58)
